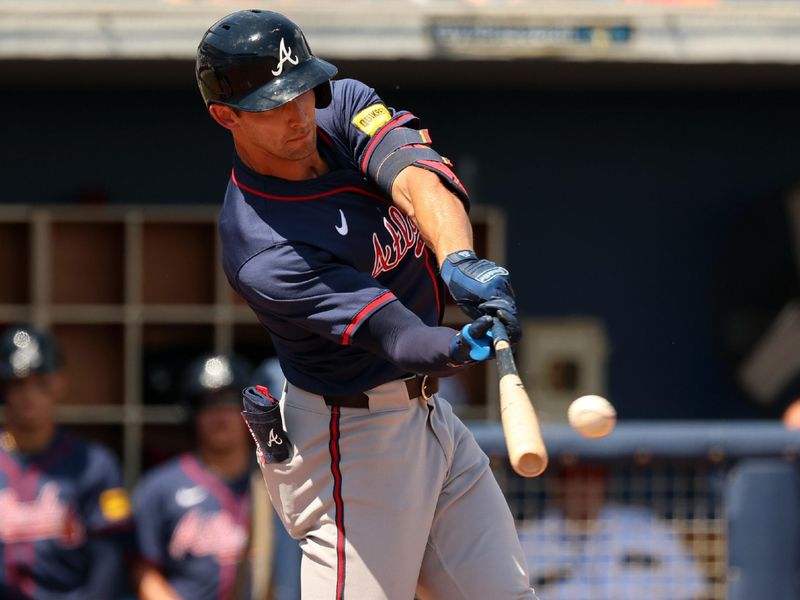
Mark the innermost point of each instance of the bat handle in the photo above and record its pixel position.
(499, 333)
(502, 347)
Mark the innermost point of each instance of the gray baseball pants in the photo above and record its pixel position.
(393, 501)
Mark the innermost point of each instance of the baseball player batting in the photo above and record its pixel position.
(63, 511)
(341, 227)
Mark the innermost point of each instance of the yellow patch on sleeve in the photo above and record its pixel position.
(115, 505)
(371, 118)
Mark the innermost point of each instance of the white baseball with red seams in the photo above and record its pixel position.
(592, 416)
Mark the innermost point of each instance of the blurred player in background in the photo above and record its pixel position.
(193, 514)
(62, 505)
(587, 548)
(338, 217)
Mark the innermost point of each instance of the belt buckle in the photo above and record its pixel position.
(422, 389)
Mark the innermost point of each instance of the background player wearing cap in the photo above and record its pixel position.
(337, 218)
(192, 514)
(62, 505)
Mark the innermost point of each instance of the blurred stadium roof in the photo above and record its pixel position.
(666, 31)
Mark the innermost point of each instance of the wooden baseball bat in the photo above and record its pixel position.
(262, 539)
(526, 449)
(256, 564)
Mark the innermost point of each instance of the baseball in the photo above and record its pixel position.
(592, 416)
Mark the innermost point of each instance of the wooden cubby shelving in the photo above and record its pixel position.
(131, 293)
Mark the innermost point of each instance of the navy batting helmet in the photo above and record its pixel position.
(214, 379)
(257, 60)
(24, 351)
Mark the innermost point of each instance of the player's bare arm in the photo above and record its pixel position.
(150, 583)
(437, 212)
(479, 286)
(424, 190)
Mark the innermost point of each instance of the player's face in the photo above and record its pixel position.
(288, 132)
(221, 428)
(31, 401)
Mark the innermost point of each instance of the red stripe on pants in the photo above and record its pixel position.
(338, 501)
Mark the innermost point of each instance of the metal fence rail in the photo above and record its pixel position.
(668, 510)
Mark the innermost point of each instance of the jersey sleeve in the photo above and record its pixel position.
(355, 114)
(381, 141)
(105, 506)
(306, 286)
(150, 539)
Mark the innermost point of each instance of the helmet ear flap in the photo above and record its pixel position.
(322, 95)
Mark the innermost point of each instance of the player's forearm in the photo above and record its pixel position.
(150, 584)
(438, 213)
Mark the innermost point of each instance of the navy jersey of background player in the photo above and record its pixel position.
(315, 258)
(193, 526)
(53, 506)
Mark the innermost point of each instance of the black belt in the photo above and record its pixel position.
(421, 385)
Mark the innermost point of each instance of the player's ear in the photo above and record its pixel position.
(224, 115)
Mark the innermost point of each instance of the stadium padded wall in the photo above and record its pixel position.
(763, 498)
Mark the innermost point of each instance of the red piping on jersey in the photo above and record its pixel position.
(138, 559)
(123, 526)
(435, 283)
(338, 501)
(338, 190)
(395, 122)
(363, 313)
(238, 508)
(324, 137)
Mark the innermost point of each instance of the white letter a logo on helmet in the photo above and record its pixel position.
(284, 54)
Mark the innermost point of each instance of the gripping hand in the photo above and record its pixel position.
(473, 342)
(480, 287)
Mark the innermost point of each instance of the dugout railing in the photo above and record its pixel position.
(724, 495)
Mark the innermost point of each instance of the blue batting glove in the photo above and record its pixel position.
(480, 287)
(506, 312)
(473, 342)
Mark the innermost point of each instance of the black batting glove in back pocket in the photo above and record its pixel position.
(262, 414)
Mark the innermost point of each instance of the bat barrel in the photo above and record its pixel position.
(526, 450)
(529, 464)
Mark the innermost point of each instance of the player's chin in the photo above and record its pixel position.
(31, 421)
(302, 136)
(301, 147)
(223, 443)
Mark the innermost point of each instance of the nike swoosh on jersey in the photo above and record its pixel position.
(342, 229)
(187, 497)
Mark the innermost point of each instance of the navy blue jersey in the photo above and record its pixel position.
(193, 526)
(53, 505)
(315, 258)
